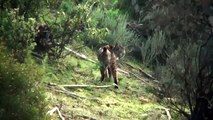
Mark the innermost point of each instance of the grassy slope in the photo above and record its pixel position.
(110, 104)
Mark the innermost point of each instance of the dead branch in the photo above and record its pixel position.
(142, 71)
(80, 55)
(68, 93)
(167, 113)
(134, 75)
(50, 112)
(161, 108)
(81, 86)
(123, 71)
(71, 94)
(146, 74)
(85, 86)
(61, 89)
(141, 79)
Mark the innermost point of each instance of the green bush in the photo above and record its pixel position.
(87, 15)
(102, 24)
(183, 81)
(108, 26)
(21, 98)
(154, 50)
(119, 33)
(67, 6)
(17, 33)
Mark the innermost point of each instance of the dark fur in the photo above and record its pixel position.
(107, 56)
(43, 39)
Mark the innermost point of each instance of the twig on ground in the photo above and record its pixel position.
(69, 93)
(50, 112)
(85, 86)
(81, 86)
(161, 109)
(167, 113)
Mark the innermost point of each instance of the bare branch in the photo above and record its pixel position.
(81, 86)
(80, 55)
(142, 71)
(50, 112)
(167, 113)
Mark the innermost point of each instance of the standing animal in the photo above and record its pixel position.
(107, 56)
(43, 39)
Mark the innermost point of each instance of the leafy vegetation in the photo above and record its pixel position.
(17, 32)
(21, 96)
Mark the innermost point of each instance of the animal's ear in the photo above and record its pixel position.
(111, 47)
(39, 28)
(116, 44)
(104, 49)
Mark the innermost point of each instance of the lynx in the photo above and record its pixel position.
(107, 56)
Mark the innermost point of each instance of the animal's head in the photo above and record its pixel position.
(119, 51)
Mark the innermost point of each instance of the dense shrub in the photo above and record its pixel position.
(187, 82)
(154, 50)
(20, 95)
(102, 23)
(17, 33)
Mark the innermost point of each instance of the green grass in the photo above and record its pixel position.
(109, 103)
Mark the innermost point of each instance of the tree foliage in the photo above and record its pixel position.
(17, 33)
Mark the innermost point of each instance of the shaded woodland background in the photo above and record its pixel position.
(173, 38)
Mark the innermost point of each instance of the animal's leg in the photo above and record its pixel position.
(109, 73)
(103, 71)
(114, 74)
